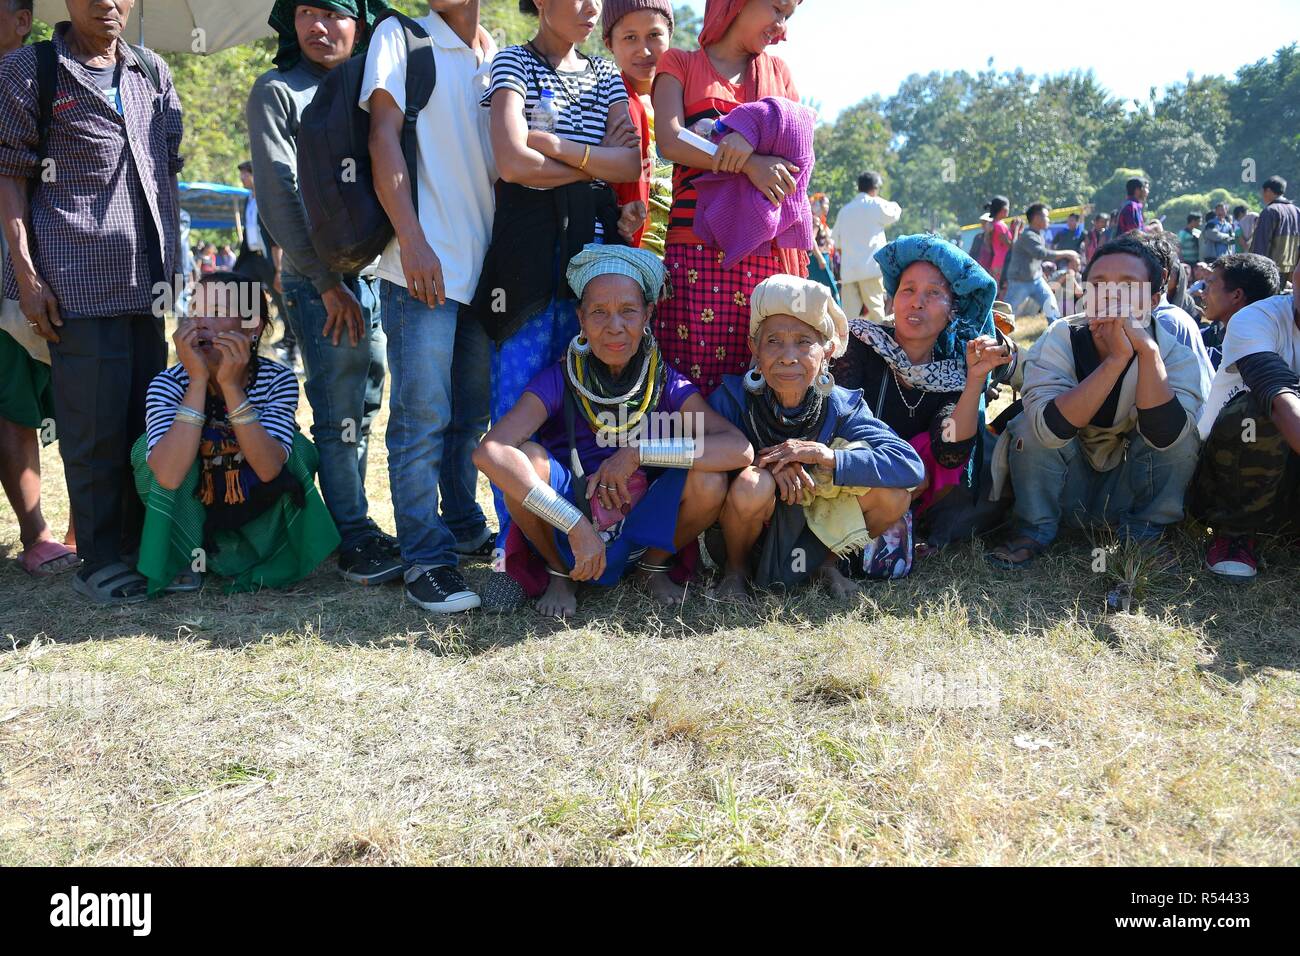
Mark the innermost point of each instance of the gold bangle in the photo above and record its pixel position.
(586, 155)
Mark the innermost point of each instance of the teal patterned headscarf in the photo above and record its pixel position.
(281, 20)
(973, 289)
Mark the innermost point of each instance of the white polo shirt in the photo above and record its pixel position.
(456, 167)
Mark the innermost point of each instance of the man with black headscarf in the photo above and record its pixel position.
(335, 318)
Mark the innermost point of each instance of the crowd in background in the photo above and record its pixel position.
(783, 393)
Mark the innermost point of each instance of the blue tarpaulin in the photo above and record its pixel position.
(213, 205)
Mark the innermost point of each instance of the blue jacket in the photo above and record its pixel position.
(886, 462)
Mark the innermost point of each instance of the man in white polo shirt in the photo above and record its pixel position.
(859, 234)
(440, 365)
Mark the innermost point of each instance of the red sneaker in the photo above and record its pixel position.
(1232, 557)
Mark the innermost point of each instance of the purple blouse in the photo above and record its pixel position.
(549, 386)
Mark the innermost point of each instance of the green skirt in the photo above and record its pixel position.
(25, 394)
(276, 549)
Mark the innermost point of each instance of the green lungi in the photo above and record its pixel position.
(26, 397)
(276, 549)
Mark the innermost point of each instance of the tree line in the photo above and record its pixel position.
(946, 142)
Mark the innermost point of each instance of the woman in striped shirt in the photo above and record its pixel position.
(223, 471)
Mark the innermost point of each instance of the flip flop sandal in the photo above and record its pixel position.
(36, 559)
(1001, 556)
(114, 585)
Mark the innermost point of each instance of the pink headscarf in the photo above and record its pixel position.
(718, 17)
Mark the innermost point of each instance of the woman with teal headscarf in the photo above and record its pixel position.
(924, 373)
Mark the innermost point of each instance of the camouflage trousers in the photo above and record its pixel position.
(1247, 480)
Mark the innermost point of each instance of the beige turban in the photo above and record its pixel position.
(808, 301)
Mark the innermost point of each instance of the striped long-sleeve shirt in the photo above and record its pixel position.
(274, 393)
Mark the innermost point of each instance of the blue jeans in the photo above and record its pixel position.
(538, 344)
(1035, 290)
(345, 387)
(438, 409)
(1139, 497)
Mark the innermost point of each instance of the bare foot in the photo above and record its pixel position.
(560, 599)
(841, 588)
(732, 588)
(662, 588)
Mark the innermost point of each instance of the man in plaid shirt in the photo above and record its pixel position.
(88, 249)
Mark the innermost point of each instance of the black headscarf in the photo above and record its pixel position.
(281, 20)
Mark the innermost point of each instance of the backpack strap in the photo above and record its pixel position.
(149, 66)
(421, 78)
(47, 81)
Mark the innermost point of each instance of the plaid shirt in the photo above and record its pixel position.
(111, 176)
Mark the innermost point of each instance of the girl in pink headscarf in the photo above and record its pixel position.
(703, 328)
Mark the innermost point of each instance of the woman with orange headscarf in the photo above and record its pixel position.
(703, 328)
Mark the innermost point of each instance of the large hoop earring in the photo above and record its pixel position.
(824, 383)
(754, 381)
(580, 345)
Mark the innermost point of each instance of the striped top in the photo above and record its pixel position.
(583, 99)
(274, 394)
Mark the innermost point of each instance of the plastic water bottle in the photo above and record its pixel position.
(546, 114)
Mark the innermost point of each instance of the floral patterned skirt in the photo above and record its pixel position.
(703, 327)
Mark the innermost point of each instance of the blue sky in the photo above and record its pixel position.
(843, 50)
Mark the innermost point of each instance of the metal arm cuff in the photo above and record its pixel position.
(668, 452)
(545, 502)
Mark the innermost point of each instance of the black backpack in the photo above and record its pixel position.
(47, 81)
(349, 227)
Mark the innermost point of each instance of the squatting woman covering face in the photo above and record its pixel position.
(609, 459)
(828, 477)
(222, 466)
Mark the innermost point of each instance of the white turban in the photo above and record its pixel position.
(808, 301)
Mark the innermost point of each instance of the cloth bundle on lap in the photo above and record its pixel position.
(730, 212)
(833, 512)
(277, 548)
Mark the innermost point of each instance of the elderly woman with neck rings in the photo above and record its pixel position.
(609, 458)
(828, 477)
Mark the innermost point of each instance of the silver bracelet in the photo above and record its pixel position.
(248, 418)
(668, 452)
(547, 503)
(188, 415)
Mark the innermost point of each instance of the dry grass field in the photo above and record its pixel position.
(961, 716)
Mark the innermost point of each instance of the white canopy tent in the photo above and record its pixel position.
(185, 26)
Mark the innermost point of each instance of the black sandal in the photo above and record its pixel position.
(113, 585)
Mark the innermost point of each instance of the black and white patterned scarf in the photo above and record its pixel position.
(946, 375)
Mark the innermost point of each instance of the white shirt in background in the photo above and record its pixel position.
(859, 234)
(253, 231)
(1264, 326)
(456, 170)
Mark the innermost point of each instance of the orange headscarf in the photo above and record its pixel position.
(718, 17)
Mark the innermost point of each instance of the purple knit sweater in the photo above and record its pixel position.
(733, 215)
